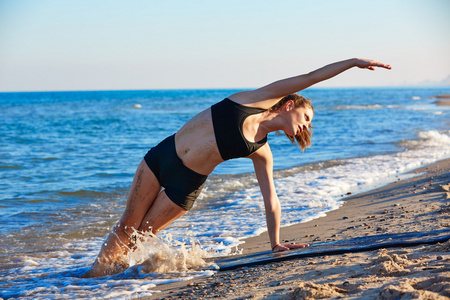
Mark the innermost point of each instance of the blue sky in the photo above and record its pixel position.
(58, 45)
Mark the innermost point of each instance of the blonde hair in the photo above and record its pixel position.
(303, 138)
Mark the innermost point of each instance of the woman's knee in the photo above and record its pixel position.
(163, 212)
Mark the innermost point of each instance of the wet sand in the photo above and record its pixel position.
(420, 203)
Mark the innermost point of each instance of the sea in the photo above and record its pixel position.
(67, 160)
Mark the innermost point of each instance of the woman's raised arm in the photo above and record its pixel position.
(268, 95)
(292, 85)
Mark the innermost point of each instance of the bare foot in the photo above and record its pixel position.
(104, 269)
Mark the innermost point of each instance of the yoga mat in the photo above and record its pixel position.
(359, 244)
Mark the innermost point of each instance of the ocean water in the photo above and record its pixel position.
(67, 160)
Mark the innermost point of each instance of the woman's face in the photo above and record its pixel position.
(299, 119)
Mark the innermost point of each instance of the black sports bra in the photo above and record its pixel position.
(228, 118)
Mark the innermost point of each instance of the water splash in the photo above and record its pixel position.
(153, 254)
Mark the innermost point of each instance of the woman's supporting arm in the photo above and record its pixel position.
(263, 163)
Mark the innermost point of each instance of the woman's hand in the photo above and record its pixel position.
(286, 247)
(370, 64)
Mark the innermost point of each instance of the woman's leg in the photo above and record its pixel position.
(143, 192)
(162, 213)
(148, 209)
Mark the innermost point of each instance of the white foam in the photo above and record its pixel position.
(360, 107)
(59, 275)
(30, 262)
(153, 254)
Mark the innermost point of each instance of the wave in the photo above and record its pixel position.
(359, 107)
(84, 193)
(10, 167)
(428, 139)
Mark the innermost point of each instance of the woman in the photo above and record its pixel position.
(235, 127)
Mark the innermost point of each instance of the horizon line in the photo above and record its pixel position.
(224, 89)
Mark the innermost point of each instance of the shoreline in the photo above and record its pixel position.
(444, 100)
(334, 226)
(418, 203)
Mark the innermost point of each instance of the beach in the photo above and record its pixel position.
(74, 155)
(419, 203)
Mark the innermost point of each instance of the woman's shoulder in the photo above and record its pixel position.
(255, 98)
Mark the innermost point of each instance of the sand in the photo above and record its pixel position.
(420, 203)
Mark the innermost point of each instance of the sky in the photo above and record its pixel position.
(54, 45)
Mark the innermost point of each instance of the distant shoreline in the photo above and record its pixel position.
(443, 102)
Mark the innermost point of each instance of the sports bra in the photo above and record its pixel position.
(228, 118)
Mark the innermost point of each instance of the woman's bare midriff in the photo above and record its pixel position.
(196, 144)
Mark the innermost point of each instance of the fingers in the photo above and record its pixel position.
(371, 64)
(286, 247)
(279, 248)
(381, 65)
(296, 246)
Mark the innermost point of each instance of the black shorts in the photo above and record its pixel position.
(182, 185)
